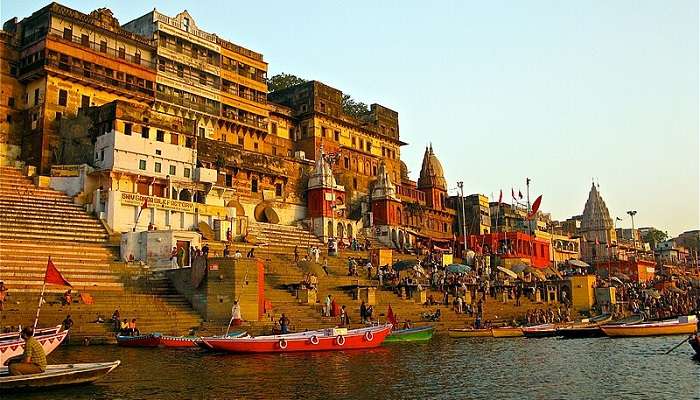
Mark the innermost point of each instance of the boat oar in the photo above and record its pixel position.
(679, 344)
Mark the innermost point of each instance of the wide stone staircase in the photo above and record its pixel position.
(37, 223)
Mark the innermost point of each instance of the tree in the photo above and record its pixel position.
(654, 237)
(283, 81)
(354, 108)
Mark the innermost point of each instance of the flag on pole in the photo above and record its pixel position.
(500, 197)
(53, 276)
(520, 194)
(145, 203)
(512, 194)
(535, 207)
(391, 317)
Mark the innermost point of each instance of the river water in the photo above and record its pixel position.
(518, 368)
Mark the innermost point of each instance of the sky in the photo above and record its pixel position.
(560, 92)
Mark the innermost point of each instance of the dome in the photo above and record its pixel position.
(431, 174)
(404, 172)
(595, 214)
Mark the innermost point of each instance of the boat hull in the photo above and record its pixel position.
(37, 333)
(418, 334)
(506, 332)
(177, 342)
(540, 331)
(580, 332)
(356, 339)
(462, 333)
(56, 375)
(13, 348)
(661, 329)
(149, 340)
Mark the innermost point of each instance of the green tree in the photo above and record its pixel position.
(283, 81)
(354, 108)
(654, 236)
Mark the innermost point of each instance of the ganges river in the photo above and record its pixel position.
(446, 368)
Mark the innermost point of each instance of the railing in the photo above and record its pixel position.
(34, 36)
(188, 104)
(255, 96)
(114, 53)
(181, 50)
(189, 78)
(244, 119)
(91, 75)
(238, 49)
(245, 73)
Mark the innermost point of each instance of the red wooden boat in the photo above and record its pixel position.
(177, 342)
(320, 340)
(148, 340)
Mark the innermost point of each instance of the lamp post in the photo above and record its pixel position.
(632, 213)
(460, 185)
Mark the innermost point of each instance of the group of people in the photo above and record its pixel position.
(177, 255)
(558, 314)
(124, 327)
(671, 301)
(237, 253)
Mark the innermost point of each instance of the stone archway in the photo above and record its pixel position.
(330, 229)
(349, 231)
(341, 231)
(185, 195)
(265, 213)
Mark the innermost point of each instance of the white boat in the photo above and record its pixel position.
(56, 375)
(15, 347)
(37, 332)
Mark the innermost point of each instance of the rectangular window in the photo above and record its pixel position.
(59, 115)
(255, 145)
(103, 46)
(145, 132)
(137, 58)
(240, 140)
(158, 152)
(273, 128)
(62, 97)
(127, 129)
(85, 40)
(122, 53)
(36, 96)
(142, 165)
(68, 33)
(85, 101)
(173, 170)
(174, 138)
(187, 172)
(157, 168)
(254, 185)
(11, 102)
(229, 180)
(336, 136)
(202, 132)
(323, 130)
(278, 189)
(160, 135)
(102, 154)
(347, 163)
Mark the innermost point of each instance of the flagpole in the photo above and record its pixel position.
(41, 296)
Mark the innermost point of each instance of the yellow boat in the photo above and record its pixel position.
(507, 331)
(674, 327)
(468, 332)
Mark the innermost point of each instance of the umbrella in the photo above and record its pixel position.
(458, 268)
(578, 263)
(616, 279)
(552, 272)
(517, 268)
(539, 274)
(508, 272)
(622, 276)
(404, 264)
(312, 267)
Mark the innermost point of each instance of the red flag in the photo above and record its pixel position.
(535, 207)
(500, 197)
(391, 317)
(53, 277)
(145, 203)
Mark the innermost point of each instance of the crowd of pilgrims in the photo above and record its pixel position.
(645, 299)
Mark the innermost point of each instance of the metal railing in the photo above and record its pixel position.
(110, 51)
(181, 101)
(94, 76)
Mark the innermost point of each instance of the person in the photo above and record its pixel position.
(327, 308)
(236, 317)
(181, 257)
(193, 254)
(296, 253)
(344, 317)
(238, 254)
(67, 323)
(67, 297)
(3, 295)
(33, 359)
(205, 251)
(317, 253)
(229, 235)
(227, 251)
(325, 265)
(459, 305)
(173, 257)
(363, 312)
(150, 226)
(116, 316)
(133, 331)
(124, 327)
(334, 308)
(284, 324)
(369, 269)
(251, 253)
(368, 313)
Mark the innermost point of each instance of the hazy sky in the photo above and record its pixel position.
(560, 92)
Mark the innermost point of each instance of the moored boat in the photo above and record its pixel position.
(506, 331)
(169, 341)
(538, 331)
(585, 329)
(148, 340)
(681, 326)
(469, 332)
(37, 332)
(15, 347)
(416, 334)
(56, 375)
(320, 340)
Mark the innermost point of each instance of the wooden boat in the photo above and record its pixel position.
(672, 327)
(587, 329)
(148, 340)
(15, 347)
(506, 331)
(695, 344)
(187, 341)
(37, 332)
(469, 332)
(417, 334)
(538, 331)
(56, 375)
(320, 340)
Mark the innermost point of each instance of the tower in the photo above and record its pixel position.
(325, 198)
(597, 228)
(432, 180)
(386, 209)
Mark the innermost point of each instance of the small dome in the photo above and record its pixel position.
(404, 171)
(431, 174)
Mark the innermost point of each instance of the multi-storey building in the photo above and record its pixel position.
(10, 96)
(69, 60)
(477, 214)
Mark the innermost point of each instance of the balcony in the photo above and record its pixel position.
(181, 101)
(246, 120)
(99, 48)
(103, 82)
(193, 55)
